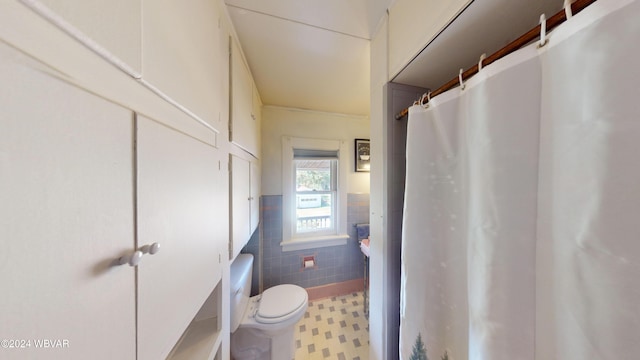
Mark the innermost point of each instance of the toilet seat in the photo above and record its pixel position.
(280, 302)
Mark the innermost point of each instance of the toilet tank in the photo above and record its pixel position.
(240, 272)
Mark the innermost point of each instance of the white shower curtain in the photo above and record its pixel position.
(521, 235)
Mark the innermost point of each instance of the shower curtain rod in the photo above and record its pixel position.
(523, 40)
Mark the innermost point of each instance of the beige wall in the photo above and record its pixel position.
(279, 121)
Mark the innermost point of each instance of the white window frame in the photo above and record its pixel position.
(290, 240)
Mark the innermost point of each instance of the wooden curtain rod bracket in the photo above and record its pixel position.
(516, 44)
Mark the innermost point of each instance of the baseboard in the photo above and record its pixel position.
(335, 289)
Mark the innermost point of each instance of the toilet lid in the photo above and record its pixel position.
(280, 301)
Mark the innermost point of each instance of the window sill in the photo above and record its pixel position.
(314, 242)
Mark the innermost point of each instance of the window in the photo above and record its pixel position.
(314, 203)
(316, 192)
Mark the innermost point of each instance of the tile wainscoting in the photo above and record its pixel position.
(336, 264)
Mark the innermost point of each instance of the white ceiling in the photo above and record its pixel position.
(309, 54)
(314, 54)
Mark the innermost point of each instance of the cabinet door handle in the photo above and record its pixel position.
(150, 249)
(132, 260)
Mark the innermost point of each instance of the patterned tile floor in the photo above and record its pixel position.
(333, 328)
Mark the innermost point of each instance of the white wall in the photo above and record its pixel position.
(413, 24)
(280, 121)
(379, 77)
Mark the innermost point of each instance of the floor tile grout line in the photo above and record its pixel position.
(318, 338)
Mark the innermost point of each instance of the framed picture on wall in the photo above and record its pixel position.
(363, 155)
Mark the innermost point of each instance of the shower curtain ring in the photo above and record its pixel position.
(567, 9)
(543, 31)
(460, 79)
(482, 57)
(422, 103)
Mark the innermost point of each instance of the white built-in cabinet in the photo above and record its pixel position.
(170, 46)
(86, 185)
(244, 127)
(245, 202)
(67, 212)
(240, 201)
(181, 54)
(244, 134)
(99, 162)
(255, 181)
(180, 206)
(256, 115)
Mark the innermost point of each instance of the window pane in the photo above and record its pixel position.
(314, 212)
(313, 175)
(314, 194)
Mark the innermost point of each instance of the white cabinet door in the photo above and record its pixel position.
(240, 204)
(245, 202)
(255, 196)
(256, 116)
(181, 54)
(244, 131)
(181, 205)
(66, 213)
(114, 25)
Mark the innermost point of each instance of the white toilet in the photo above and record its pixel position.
(262, 326)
